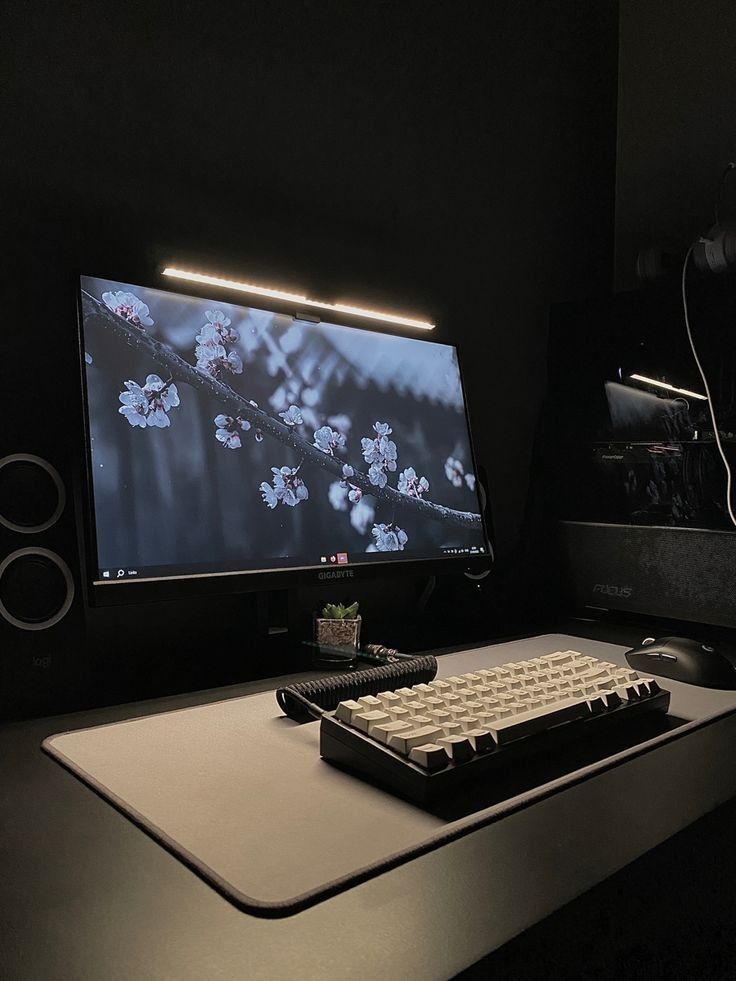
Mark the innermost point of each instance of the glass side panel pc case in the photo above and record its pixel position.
(234, 447)
(631, 421)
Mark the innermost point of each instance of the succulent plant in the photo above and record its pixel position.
(338, 611)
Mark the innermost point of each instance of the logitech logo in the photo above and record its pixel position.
(336, 574)
(623, 592)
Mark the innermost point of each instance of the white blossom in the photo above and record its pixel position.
(362, 515)
(229, 439)
(327, 440)
(269, 495)
(380, 453)
(411, 485)
(221, 323)
(454, 471)
(135, 405)
(470, 480)
(338, 496)
(288, 488)
(292, 416)
(129, 307)
(148, 405)
(211, 354)
(341, 423)
(389, 538)
(227, 430)
(377, 475)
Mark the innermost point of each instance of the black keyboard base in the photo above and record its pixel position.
(358, 754)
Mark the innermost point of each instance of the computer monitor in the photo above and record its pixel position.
(235, 447)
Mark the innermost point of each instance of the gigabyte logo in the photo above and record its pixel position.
(336, 574)
(623, 592)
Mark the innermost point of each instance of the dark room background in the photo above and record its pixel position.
(676, 124)
(454, 160)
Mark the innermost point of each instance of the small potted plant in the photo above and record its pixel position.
(339, 625)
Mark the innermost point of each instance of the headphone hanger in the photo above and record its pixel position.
(716, 251)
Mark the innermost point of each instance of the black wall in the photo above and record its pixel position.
(448, 159)
(676, 123)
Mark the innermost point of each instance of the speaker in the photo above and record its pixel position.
(42, 649)
(676, 573)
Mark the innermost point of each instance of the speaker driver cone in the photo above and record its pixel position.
(32, 495)
(36, 588)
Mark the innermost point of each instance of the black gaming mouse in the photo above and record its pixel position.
(685, 660)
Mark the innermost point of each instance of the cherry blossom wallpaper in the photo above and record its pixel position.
(228, 437)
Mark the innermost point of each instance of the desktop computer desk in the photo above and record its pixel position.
(85, 894)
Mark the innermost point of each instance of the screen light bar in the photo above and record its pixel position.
(232, 284)
(668, 388)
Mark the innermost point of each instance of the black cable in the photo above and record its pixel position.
(313, 698)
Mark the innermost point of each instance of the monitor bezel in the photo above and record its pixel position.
(125, 591)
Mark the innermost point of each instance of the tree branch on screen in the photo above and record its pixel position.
(238, 406)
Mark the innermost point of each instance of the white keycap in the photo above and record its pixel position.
(539, 720)
(473, 707)
(465, 693)
(440, 686)
(458, 748)
(366, 721)
(370, 702)
(404, 742)
(467, 722)
(455, 681)
(481, 739)
(432, 701)
(400, 713)
(438, 717)
(345, 711)
(597, 704)
(387, 698)
(471, 679)
(381, 733)
(415, 707)
(429, 757)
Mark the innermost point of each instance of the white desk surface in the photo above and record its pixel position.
(106, 901)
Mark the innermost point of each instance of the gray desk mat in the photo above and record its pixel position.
(240, 794)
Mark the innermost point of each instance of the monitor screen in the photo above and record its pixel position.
(232, 439)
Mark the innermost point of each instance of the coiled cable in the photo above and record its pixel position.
(312, 698)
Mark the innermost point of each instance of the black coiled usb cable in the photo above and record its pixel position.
(312, 698)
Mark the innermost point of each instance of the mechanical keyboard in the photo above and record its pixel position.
(424, 741)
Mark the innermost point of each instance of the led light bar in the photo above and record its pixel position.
(232, 284)
(668, 388)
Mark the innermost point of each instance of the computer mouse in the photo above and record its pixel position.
(683, 659)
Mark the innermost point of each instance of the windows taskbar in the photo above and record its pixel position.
(115, 574)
